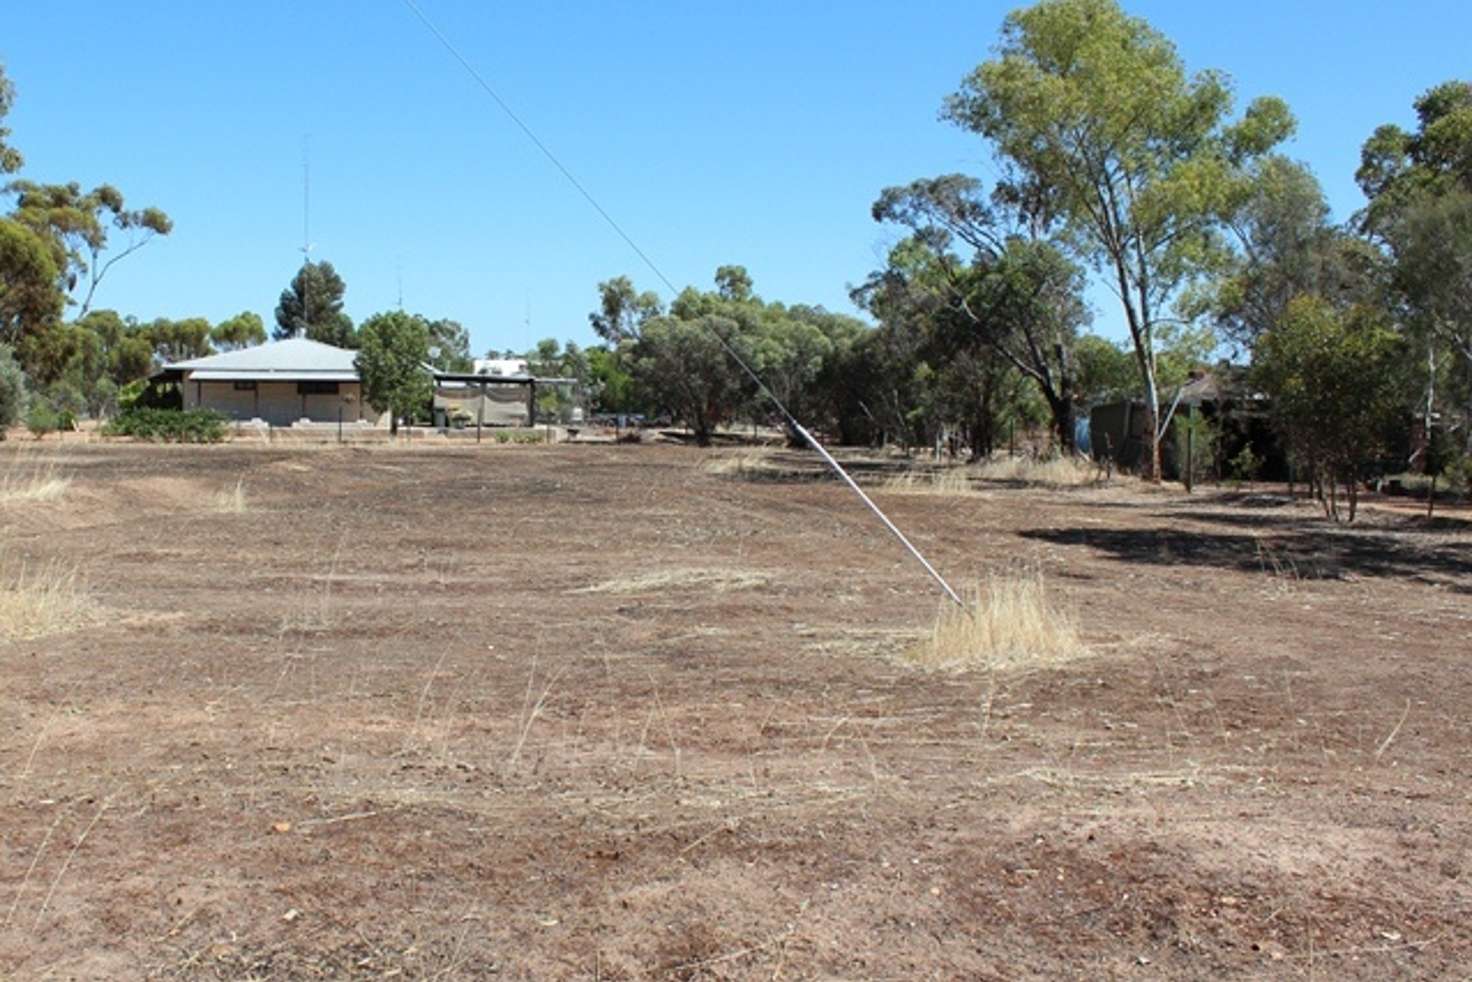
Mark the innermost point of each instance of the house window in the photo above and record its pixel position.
(245, 386)
(316, 388)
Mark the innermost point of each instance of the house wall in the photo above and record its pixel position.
(279, 403)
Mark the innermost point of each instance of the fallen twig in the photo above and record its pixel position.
(1386, 743)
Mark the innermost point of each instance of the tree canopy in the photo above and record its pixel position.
(622, 310)
(1093, 118)
(311, 306)
(244, 330)
(392, 353)
(1331, 375)
(79, 226)
(10, 158)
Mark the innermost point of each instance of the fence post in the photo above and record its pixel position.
(1190, 448)
(480, 411)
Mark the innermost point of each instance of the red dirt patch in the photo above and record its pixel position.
(1263, 769)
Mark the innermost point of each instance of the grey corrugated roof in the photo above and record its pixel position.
(277, 375)
(276, 357)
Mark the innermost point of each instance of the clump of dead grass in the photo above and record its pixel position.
(231, 501)
(1009, 622)
(711, 580)
(37, 600)
(28, 478)
(1055, 471)
(945, 481)
(751, 464)
(963, 480)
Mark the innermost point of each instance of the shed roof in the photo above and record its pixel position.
(300, 357)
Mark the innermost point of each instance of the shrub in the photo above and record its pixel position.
(169, 425)
(1245, 466)
(14, 393)
(42, 419)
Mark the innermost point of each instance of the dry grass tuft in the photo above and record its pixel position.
(1009, 622)
(39, 600)
(753, 464)
(711, 580)
(1057, 471)
(946, 481)
(28, 478)
(231, 501)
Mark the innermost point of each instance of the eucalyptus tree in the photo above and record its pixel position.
(1019, 293)
(10, 158)
(1419, 186)
(681, 365)
(31, 298)
(449, 346)
(622, 310)
(933, 371)
(1093, 110)
(241, 331)
(80, 225)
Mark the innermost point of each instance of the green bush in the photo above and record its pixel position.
(169, 425)
(42, 419)
(14, 393)
(1245, 466)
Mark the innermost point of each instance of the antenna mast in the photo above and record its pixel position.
(306, 280)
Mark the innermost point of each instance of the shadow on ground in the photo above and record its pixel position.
(1280, 545)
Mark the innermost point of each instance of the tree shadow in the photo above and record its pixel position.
(1282, 546)
(1365, 525)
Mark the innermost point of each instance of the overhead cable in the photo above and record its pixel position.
(726, 346)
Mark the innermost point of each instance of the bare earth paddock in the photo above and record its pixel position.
(607, 712)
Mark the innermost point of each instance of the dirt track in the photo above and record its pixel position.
(594, 712)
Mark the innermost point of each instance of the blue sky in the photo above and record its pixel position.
(756, 133)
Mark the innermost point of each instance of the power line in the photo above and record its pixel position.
(730, 351)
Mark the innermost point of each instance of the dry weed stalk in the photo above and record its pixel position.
(231, 501)
(30, 478)
(1277, 566)
(38, 600)
(1009, 622)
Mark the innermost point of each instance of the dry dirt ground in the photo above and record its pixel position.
(597, 712)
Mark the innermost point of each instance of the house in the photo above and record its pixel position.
(1221, 395)
(282, 383)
